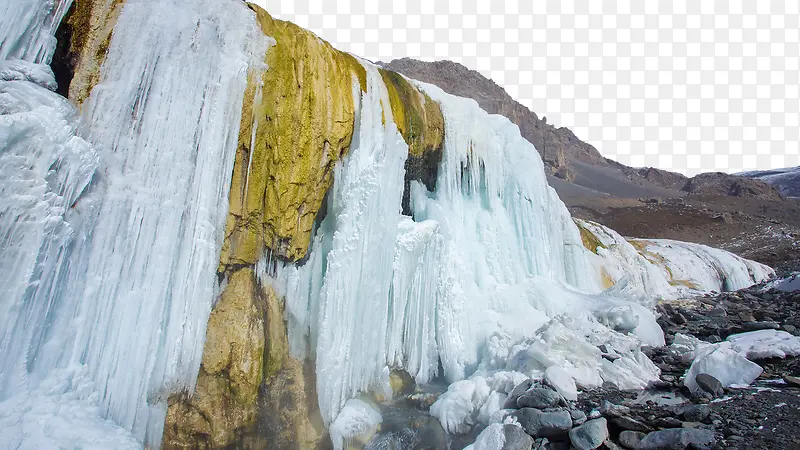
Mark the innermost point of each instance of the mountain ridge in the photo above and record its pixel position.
(565, 155)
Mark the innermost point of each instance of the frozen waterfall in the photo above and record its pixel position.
(491, 256)
(111, 246)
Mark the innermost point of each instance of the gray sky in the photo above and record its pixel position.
(684, 85)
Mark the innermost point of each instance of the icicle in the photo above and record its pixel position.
(121, 302)
(27, 28)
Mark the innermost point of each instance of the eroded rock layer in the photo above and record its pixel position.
(298, 121)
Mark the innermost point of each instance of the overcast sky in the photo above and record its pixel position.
(685, 85)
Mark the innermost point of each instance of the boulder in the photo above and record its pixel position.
(627, 423)
(677, 439)
(590, 435)
(516, 393)
(709, 384)
(539, 398)
(630, 439)
(578, 417)
(610, 410)
(696, 413)
(543, 424)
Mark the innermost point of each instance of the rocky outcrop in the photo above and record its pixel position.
(553, 144)
(224, 403)
(293, 132)
(83, 40)
(717, 183)
(786, 180)
(419, 119)
(298, 121)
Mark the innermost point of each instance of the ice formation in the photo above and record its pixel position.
(357, 418)
(662, 268)
(731, 361)
(27, 29)
(112, 227)
(492, 256)
(111, 248)
(705, 268)
(790, 283)
(764, 344)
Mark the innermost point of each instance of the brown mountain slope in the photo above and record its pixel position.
(736, 213)
(565, 156)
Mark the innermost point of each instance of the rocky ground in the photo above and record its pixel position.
(763, 415)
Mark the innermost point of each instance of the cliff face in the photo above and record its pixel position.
(83, 39)
(298, 122)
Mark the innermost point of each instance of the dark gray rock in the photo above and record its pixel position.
(630, 439)
(626, 423)
(668, 422)
(539, 398)
(590, 435)
(516, 438)
(717, 312)
(511, 400)
(709, 384)
(677, 439)
(543, 424)
(696, 413)
(610, 410)
(578, 417)
(792, 381)
(755, 326)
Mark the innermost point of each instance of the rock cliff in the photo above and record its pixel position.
(297, 124)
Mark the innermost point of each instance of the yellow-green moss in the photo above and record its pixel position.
(590, 241)
(92, 23)
(304, 119)
(418, 118)
(225, 400)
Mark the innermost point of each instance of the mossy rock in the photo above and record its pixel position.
(590, 241)
(83, 39)
(297, 122)
(418, 118)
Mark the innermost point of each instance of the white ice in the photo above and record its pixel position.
(730, 361)
(491, 261)
(491, 438)
(790, 283)
(707, 268)
(723, 363)
(357, 418)
(27, 28)
(764, 344)
(669, 269)
(636, 276)
(111, 246)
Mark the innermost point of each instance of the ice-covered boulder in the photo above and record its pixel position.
(723, 363)
(356, 422)
(764, 344)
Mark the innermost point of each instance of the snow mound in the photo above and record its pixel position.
(356, 419)
(730, 361)
(723, 363)
(787, 284)
(764, 344)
